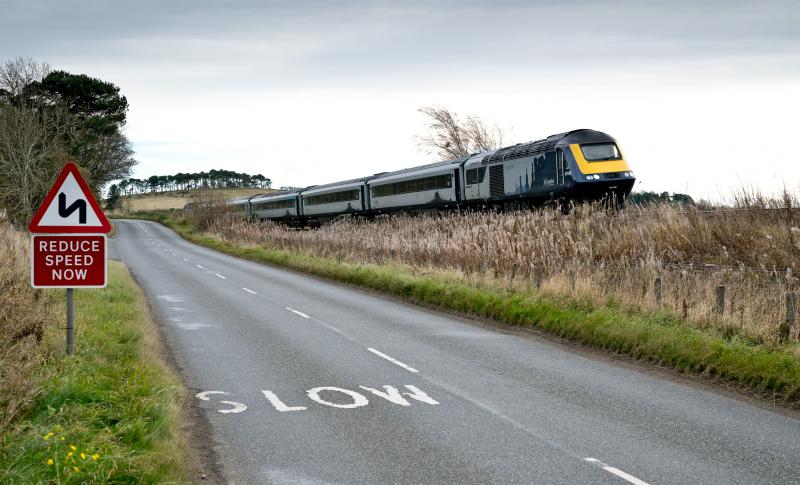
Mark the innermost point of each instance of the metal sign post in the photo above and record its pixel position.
(70, 321)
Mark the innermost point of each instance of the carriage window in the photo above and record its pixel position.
(414, 185)
(600, 151)
(481, 174)
(472, 176)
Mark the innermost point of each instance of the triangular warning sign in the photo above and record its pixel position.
(70, 207)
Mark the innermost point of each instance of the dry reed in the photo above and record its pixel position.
(615, 257)
(24, 316)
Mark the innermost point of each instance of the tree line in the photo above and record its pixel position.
(213, 179)
(48, 117)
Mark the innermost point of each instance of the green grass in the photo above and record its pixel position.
(660, 338)
(114, 400)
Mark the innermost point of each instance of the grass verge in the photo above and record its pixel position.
(110, 413)
(661, 338)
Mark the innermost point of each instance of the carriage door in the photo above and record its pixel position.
(559, 167)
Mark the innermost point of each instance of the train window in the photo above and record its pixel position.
(413, 185)
(472, 176)
(481, 174)
(330, 198)
(600, 151)
(279, 204)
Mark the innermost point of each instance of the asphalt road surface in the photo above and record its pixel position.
(305, 381)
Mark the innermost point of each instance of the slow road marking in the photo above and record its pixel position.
(392, 360)
(249, 291)
(616, 471)
(220, 276)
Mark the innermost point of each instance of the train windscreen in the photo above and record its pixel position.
(600, 151)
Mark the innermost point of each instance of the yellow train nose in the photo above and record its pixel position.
(604, 165)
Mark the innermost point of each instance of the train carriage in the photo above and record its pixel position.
(276, 206)
(327, 201)
(433, 186)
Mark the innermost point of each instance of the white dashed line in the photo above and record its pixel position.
(186, 260)
(220, 276)
(250, 291)
(392, 360)
(173, 254)
(617, 472)
(298, 313)
(199, 266)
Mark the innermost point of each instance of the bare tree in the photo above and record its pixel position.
(31, 151)
(450, 137)
(20, 72)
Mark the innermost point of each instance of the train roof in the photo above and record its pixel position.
(282, 193)
(533, 147)
(341, 182)
(422, 167)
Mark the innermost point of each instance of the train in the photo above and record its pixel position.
(560, 170)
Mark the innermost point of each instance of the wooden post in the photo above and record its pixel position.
(572, 278)
(657, 290)
(70, 321)
(786, 327)
(538, 278)
(720, 307)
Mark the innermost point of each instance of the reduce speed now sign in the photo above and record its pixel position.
(68, 260)
(72, 252)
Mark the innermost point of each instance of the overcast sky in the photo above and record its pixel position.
(703, 97)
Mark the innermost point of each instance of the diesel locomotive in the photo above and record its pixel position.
(579, 165)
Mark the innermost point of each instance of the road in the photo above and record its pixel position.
(306, 381)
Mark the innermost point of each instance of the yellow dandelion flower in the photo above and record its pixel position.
(50, 461)
(47, 436)
(61, 438)
(73, 448)
(83, 456)
(69, 455)
(76, 469)
(95, 457)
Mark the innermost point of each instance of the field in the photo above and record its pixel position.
(177, 199)
(109, 413)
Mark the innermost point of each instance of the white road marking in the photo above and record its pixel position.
(173, 254)
(279, 405)
(250, 291)
(297, 313)
(392, 360)
(393, 395)
(203, 396)
(199, 266)
(237, 407)
(186, 260)
(617, 472)
(358, 399)
(220, 276)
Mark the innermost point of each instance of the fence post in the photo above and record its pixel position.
(657, 290)
(720, 299)
(786, 327)
(538, 278)
(572, 278)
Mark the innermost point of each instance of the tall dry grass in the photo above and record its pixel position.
(615, 257)
(24, 315)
